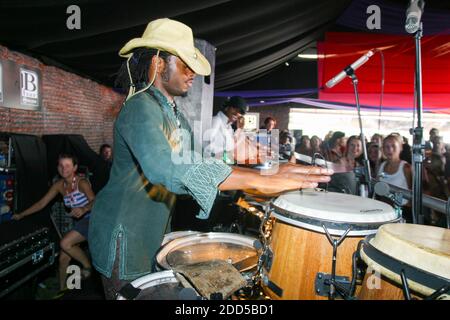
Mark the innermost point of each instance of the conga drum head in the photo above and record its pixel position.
(311, 209)
(239, 250)
(423, 252)
(161, 286)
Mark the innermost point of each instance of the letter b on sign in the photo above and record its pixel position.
(29, 81)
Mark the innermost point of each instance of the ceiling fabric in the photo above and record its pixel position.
(251, 37)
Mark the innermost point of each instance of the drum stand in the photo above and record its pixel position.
(337, 284)
(418, 145)
(407, 293)
(266, 254)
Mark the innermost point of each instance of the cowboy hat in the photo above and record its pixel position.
(171, 36)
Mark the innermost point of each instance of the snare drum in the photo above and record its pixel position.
(239, 250)
(300, 255)
(422, 252)
(161, 286)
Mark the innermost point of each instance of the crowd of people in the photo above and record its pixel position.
(389, 156)
(390, 159)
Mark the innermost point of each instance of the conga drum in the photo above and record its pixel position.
(299, 262)
(421, 253)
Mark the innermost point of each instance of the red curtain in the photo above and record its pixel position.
(340, 49)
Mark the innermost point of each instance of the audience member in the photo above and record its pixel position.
(394, 170)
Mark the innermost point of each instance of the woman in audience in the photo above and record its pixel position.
(394, 170)
(375, 156)
(316, 145)
(377, 139)
(335, 148)
(304, 146)
(353, 153)
(79, 197)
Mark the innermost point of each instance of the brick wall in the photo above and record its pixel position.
(70, 105)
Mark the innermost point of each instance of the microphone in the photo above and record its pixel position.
(382, 189)
(347, 71)
(413, 15)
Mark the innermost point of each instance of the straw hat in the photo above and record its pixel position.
(174, 37)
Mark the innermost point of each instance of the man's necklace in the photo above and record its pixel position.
(175, 111)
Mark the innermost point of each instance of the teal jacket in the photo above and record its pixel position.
(153, 161)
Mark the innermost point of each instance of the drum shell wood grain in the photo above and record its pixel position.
(299, 254)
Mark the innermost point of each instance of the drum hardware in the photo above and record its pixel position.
(443, 290)
(430, 202)
(405, 286)
(266, 258)
(324, 282)
(235, 226)
(407, 294)
(216, 296)
(272, 286)
(129, 292)
(382, 189)
(160, 286)
(357, 270)
(250, 293)
(336, 284)
(266, 233)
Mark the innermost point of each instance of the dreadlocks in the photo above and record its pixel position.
(139, 66)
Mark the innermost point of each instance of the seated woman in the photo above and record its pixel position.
(394, 170)
(78, 196)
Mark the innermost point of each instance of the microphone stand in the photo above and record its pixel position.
(367, 176)
(418, 144)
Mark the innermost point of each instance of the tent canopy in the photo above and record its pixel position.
(251, 37)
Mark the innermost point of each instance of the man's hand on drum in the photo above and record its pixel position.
(288, 168)
(292, 177)
(288, 177)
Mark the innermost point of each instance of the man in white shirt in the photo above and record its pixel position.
(220, 138)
